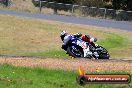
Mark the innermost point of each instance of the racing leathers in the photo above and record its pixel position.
(84, 45)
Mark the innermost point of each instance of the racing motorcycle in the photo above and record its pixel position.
(74, 48)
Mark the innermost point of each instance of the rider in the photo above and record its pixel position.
(65, 37)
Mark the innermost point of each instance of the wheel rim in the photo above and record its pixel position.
(104, 53)
(76, 51)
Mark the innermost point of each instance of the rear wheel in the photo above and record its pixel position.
(75, 51)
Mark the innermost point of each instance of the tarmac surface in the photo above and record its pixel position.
(72, 19)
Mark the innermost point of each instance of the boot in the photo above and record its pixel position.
(87, 52)
(96, 54)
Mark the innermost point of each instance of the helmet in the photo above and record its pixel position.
(63, 34)
(93, 39)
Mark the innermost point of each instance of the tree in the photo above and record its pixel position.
(122, 4)
(96, 3)
(5, 2)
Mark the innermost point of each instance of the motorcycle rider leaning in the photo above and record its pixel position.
(65, 37)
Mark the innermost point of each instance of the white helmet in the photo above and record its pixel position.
(93, 39)
(63, 34)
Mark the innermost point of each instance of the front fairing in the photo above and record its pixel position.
(75, 41)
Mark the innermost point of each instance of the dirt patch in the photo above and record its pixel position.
(68, 64)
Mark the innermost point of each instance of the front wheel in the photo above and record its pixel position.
(74, 51)
(103, 53)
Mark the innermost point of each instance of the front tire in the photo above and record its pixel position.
(74, 51)
(103, 54)
(81, 80)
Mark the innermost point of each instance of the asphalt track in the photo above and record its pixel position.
(76, 20)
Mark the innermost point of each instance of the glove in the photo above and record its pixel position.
(64, 47)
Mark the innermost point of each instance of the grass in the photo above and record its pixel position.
(33, 37)
(21, 5)
(25, 77)
(21, 36)
(28, 6)
(112, 41)
(49, 53)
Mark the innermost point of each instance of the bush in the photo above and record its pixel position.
(5, 2)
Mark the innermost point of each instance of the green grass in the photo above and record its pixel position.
(21, 36)
(112, 41)
(49, 53)
(24, 77)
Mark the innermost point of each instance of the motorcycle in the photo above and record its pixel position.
(75, 46)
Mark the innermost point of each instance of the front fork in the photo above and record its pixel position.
(86, 49)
